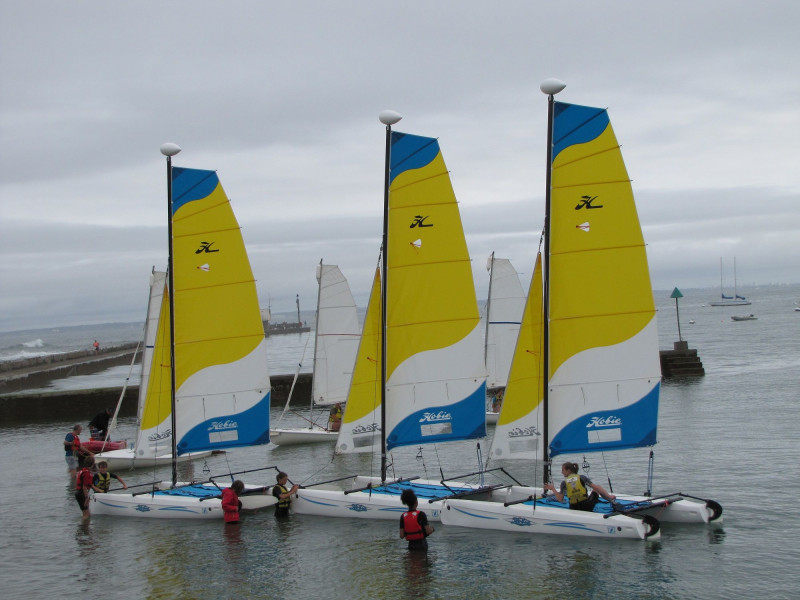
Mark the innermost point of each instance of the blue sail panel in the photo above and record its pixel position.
(633, 426)
(464, 420)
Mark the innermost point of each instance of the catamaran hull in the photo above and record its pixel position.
(126, 459)
(293, 437)
(520, 518)
(156, 506)
(666, 510)
(366, 505)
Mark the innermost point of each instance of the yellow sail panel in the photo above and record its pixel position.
(599, 280)
(430, 289)
(157, 405)
(214, 288)
(362, 415)
(523, 393)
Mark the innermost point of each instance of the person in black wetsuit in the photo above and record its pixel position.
(414, 525)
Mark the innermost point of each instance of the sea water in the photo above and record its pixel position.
(730, 436)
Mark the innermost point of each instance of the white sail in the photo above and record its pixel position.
(503, 314)
(337, 337)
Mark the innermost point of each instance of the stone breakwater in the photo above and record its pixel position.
(36, 372)
(81, 405)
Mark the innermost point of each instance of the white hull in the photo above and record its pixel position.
(491, 417)
(364, 505)
(156, 506)
(677, 510)
(731, 303)
(545, 521)
(290, 437)
(126, 459)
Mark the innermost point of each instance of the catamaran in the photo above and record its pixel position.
(736, 299)
(419, 376)
(336, 339)
(212, 377)
(504, 306)
(153, 444)
(585, 375)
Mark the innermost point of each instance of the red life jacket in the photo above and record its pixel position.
(84, 479)
(411, 526)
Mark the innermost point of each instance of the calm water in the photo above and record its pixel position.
(729, 436)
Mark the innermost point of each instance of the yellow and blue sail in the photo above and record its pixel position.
(222, 380)
(436, 377)
(604, 371)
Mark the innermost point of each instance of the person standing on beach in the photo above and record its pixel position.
(74, 450)
(96, 346)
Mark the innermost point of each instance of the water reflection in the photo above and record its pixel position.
(417, 565)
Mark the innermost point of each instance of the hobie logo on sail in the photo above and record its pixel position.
(609, 421)
(365, 428)
(155, 437)
(523, 432)
(223, 425)
(586, 202)
(431, 417)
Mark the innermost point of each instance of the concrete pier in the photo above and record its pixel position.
(681, 361)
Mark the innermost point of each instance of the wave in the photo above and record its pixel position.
(37, 343)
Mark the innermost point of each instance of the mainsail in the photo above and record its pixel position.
(222, 380)
(336, 337)
(503, 313)
(436, 379)
(155, 410)
(604, 371)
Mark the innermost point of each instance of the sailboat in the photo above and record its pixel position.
(585, 375)
(504, 307)
(736, 299)
(212, 361)
(419, 376)
(153, 443)
(336, 339)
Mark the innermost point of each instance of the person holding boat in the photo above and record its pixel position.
(231, 505)
(576, 487)
(102, 479)
(414, 525)
(283, 494)
(74, 450)
(83, 485)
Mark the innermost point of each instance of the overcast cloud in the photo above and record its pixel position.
(282, 100)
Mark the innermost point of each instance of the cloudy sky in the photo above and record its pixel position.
(282, 98)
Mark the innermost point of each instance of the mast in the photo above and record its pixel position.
(735, 294)
(169, 150)
(488, 311)
(388, 118)
(316, 341)
(550, 87)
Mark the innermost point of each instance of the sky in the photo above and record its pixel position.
(282, 100)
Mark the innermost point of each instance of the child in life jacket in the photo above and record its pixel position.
(576, 488)
(102, 479)
(414, 523)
